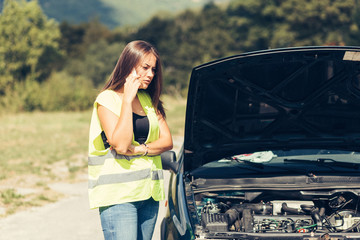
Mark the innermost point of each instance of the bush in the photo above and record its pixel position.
(23, 96)
(68, 93)
(61, 92)
(98, 62)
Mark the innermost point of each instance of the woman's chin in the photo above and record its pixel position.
(143, 86)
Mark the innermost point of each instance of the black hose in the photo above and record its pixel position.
(232, 215)
(316, 216)
(322, 211)
(256, 207)
(287, 209)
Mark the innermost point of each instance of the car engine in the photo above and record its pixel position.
(277, 212)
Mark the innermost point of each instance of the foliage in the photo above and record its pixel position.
(60, 92)
(28, 43)
(274, 24)
(98, 62)
(354, 35)
(72, 39)
(92, 50)
(76, 39)
(63, 92)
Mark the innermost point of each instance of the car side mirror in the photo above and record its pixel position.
(168, 160)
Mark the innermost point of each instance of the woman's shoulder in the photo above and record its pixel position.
(108, 93)
(107, 97)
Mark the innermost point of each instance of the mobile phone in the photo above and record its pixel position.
(134, 73)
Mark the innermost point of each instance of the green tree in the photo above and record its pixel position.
(76, 39)
(354, 36)
(318, 22)
(251, 24)
(72, 39)
(28, 43)
(98, 62)
(283, 23)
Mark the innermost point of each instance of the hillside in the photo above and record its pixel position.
(113, 13)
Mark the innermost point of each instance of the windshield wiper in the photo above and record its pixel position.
(328, 162)
(263, 166)
(253, 164)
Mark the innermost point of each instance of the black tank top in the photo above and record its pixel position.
(141, 128)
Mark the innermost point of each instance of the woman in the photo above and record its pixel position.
(128, 132)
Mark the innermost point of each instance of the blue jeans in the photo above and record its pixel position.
(129, 221)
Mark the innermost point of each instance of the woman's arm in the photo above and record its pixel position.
(112, 125)
(162, 144)
(119, 130)
(109, 121)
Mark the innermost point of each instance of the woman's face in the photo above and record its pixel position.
(146, 70)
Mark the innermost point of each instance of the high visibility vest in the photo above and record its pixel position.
(115, 178)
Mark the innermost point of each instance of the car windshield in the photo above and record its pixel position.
(303, 162)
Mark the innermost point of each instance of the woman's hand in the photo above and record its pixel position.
(131, 86)
(138, 150)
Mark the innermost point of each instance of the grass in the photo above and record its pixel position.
(41, 148)
(175, 114)
(30, 142)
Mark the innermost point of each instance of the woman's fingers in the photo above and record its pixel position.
(134, 79)
(131, 86)
(131, 148)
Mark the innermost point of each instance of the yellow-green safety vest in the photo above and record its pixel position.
(115, 178)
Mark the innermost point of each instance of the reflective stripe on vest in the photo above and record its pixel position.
(126, 177)
(99, 160)
(121, 177)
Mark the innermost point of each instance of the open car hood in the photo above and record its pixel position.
(295, 98)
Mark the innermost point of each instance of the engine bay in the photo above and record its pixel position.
(320, 211)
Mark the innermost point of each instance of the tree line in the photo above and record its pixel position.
(50, 66)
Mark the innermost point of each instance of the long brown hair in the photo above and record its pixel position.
(129, 59)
